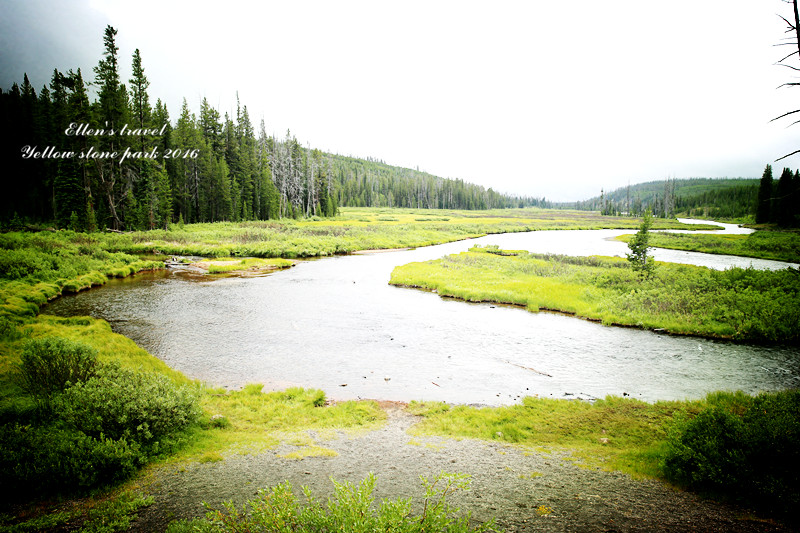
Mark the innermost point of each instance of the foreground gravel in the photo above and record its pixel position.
(507, 484)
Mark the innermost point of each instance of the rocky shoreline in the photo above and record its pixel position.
(522, 490)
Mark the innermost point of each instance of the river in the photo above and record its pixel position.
(336, 324)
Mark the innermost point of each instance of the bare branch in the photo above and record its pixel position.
(787, 66)
(786, 115)
(787, 57)
(788, 155)
(786, 21)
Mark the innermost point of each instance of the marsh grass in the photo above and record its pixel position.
(743, 304)
(248, 264)
(774, 245)
(613, 433)
(356, 229)
(261, 420)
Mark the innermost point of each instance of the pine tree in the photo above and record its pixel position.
(783, 201)
(112, 113)
(143, 186)
(764, 197)
(639, 246)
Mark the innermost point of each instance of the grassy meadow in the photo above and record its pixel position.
(742, 304)
(774, 245)
(356, 229)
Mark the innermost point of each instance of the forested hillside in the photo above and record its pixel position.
(120, 161)
(700, 197)
(369, 183)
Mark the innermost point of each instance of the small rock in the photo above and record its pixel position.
(604, 441)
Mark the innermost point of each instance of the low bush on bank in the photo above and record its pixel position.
(350, 509)
(743, 304)
(49, 365)
(94, 423)
(740, 446)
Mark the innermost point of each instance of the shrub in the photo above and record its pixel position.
(740, 446)
(47, 459)
(119, 403)
(18, 264)
(50, 364)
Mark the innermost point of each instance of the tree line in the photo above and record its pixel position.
(779, 203)
(120, 162)
(369, 183)
(768, 201)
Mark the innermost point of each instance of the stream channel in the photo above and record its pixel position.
(335, 324)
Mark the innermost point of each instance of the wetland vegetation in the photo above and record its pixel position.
(169, 418)
(743, 304)
(774, 245)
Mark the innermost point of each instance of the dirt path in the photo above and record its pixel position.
(507, 483)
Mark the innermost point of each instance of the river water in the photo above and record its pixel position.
(336, 324)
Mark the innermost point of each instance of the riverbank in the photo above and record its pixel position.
(523, 489)
(680, 299)
(772, 245)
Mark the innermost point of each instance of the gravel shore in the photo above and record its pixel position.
(508, 484)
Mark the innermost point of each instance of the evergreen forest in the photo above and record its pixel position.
(120, 162)
(764, 202)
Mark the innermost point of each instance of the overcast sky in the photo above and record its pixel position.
(554, 99)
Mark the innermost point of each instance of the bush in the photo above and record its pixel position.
(740, 446)
(119, 403)
(48, 459)
(18, 264)
(50, 364)
(99, 428)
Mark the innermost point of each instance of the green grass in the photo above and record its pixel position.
(774, 245)
(258, 421)
(356, 229)
(248, 264)
(743, 304)
(613, 434)
(733, 445)
(728, 444)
